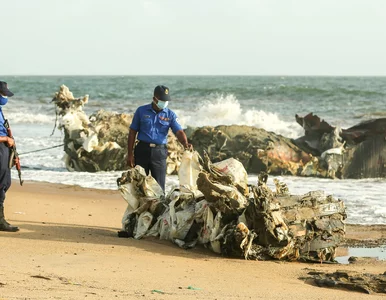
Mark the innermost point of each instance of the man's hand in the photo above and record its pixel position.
(10, 142)
(130, 161)
(181, 136)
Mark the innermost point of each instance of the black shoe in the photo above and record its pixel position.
(5, 226)
(123, 234)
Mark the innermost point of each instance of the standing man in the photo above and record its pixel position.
(5, 172)
(152, 122)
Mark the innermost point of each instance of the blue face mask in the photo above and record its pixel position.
(162, 104)
(3, 100)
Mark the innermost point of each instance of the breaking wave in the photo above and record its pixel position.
(226, 110)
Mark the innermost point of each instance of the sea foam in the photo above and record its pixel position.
(226, 110)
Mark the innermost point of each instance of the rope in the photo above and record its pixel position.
(56, 121)
(42, 149)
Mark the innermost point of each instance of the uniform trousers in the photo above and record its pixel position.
(5, 172)
(152, 159)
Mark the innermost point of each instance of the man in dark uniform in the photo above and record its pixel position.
(152, 122)
(5, 171)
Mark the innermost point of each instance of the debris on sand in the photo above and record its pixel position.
(231, 217)
(350, 280)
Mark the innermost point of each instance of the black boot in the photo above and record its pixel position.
(4, 225)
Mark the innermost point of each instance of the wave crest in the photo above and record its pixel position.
(226, 110)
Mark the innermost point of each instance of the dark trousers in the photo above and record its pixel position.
(5, 172)
(153, 160)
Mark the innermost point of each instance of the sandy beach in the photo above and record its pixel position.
(67, 248)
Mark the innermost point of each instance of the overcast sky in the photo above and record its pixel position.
(201, 37)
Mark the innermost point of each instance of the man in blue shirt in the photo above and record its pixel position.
(5, 172)
(152, 122)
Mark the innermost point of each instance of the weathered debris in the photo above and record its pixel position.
(350, 280)
(229, 216)
(257, 149)
(356, 152)
(99, 143)
(85, 143)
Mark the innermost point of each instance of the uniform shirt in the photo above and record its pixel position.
(3, 130)
(153, 127)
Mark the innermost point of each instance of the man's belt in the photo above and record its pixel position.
(151, 145)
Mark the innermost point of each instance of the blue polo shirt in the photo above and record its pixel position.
(153, 127)
(3, 130)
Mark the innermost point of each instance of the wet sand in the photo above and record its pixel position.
(67, 248)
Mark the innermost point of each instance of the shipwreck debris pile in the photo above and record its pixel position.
(99, 143)
(87, 144)
(215, 206)
(355, 152)
(257, 149)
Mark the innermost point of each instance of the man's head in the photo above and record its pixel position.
(161, 92)
(4, 89)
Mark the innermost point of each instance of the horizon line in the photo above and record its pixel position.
(189, 75)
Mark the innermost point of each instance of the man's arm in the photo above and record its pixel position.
(130, 148)
(181, 136)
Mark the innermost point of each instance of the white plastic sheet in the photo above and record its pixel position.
(143, 224)
(235, 169)
(189, 169)
(136, 191)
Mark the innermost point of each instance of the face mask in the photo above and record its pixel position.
(3, 100)
(161, 104)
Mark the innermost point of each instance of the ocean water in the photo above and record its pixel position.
(266, 102)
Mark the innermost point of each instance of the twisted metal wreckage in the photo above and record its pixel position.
(99, 143)
(215, 206)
